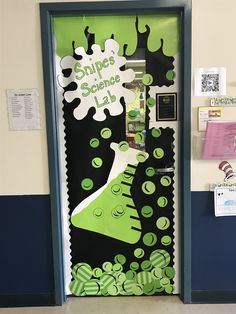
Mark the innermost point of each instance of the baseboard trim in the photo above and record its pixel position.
(25, 300)
(213, 296)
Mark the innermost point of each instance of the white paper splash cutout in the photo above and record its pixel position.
(99, 81)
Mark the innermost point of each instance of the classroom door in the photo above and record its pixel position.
(118, 94)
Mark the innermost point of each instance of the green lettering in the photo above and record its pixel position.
(112, 60)
(84, 86)
(117, 78)
(79, 71)
(98, 66)
(105, 63)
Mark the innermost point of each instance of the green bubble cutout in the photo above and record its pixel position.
(150, 239)
(94, 142)
(87, 184)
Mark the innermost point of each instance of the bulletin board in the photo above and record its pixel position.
(118, 184)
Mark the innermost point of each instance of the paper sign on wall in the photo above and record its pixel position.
(220, 140)
(210, 82)
(23, 109)
(225, 201)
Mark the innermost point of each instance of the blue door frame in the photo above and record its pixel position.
(47, 12)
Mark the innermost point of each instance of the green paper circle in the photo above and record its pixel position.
(148, 187)
(169, 272)
(106, 133)
(156, 132)
(158, 153)
(132, 114)
(87, 184)
(147, 79)
(76, 287)
(134, 266)
(151, 102)
(150, 171)
(94, 142)
(149, 288)
(144, 277)
(97, 272)
(123, 146)
(156, 273)
(165, 282)
(166, 180)
(169, 289)
(163, 223)
(141, 157)
(150, 239)
(97, 162)
(147, 211)
(160, 258)
(162, 201)
(139, 138)
(130, 275)
(137, 289)
(113, 290)
(146, 265)
(117, 268)
(107, 266)
(166, 240)
(120, 259)
(170, 75)
(91, 287)
(83, 272)
(139, 253)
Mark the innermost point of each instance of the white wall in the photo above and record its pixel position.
(214, 45)
(23, 154)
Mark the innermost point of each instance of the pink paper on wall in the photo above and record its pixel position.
(220, 140)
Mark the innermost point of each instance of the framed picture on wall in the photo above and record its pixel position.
(166, 109)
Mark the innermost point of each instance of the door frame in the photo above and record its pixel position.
(47, 12)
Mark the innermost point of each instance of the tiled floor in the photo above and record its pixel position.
(126, 305)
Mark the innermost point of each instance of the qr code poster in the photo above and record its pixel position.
(210, 82)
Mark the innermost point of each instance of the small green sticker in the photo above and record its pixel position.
(120, 258)
(139, 138)
(106, 133)
(97, 162)
(130, 275)
(132, 114)
(158, 153)
(148, 187)
(97, 272)
(150, 171)
(134, 266)
(147, 211)
(87, 184)
(166, 240)
(141, 157)
(107, 266)
(170, 75)
(162, 201)
(151, 102)
(163, 223)
(150, 239)
(146, 265)
(156, 132)
(139, 253)
(147, 79)
(94, 142)
(123, 146)
(165, 181)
